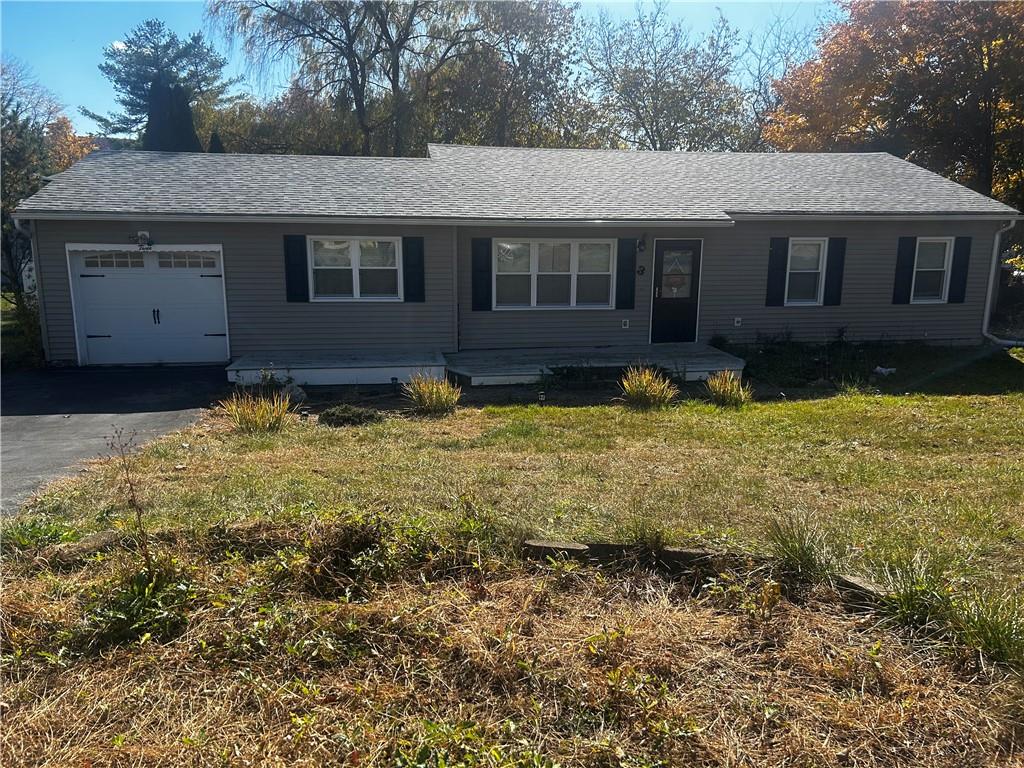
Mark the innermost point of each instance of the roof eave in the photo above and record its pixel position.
(54, 215)
(882, 216)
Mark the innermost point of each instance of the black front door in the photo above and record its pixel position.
(676, 284)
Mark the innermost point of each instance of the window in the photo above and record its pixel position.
(553, 274)
(190, 260)
(805, 271)
(931, 270)
(355, 268)
(115, 259)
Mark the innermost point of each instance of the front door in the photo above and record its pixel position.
(676, 286)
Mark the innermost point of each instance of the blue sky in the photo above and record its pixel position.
(63, 41)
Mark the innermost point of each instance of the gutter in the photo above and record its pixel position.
(991, 289)
(374, 220)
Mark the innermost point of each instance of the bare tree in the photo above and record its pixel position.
(660, 89)
(19, 89)
(769, 56)
(362, 53)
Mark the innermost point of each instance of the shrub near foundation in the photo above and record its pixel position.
(430, 396)
(256, 414)
(645, 388)
(727, 390)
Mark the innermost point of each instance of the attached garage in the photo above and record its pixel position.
(150, 304)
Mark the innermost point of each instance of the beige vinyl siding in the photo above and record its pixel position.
(734, 273)
(260, 319)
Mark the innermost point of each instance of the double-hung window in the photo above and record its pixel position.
(805, 271)
(350, 268)
(553, 274)
(931, 270)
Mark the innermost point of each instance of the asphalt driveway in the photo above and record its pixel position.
(52, 420)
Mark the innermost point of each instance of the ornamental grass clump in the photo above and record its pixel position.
(644, 388)
(257, 414)
(800, 546)
(727, 390)
(431, 396)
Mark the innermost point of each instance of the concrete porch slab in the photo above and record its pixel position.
(334, 369)
(692, 362)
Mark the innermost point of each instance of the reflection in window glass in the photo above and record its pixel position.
(552, 273)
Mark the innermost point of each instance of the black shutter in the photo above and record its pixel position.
(778, 255)
(958, 272)
(481, 274)
(412, 269)
(904, 279)
(625, 274)
(296, 270)
(834, 271)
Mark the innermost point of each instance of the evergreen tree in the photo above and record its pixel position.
(216, 145)
(169, 125)
(152, 51)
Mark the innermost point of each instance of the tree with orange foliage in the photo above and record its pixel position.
(64, 147)
(940, 83)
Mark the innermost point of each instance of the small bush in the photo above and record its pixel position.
(254, 414)
(430, 396)
(727, 390)
(800, 546)
(349, 416)
(918, 592)
(644, 388)
(993, 624)
(146, 603)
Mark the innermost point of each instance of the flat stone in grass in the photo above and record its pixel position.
(540, 549)
(858, 592)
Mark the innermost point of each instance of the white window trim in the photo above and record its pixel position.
(823, 264)
(574, 244)
(946, 264)
(356, 253)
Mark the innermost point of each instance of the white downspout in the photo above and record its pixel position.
(991, 289)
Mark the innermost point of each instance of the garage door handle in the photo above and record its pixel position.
(214, 334)
(211, 275)
(97, 336)
(154, 317)
(92, 275)
(157, 316)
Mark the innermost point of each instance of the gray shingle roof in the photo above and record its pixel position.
(683, 185)
(480, 183)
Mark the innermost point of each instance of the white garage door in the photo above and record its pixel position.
(160, 305)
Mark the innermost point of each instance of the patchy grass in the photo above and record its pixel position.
(352, 595)
(490, 664)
